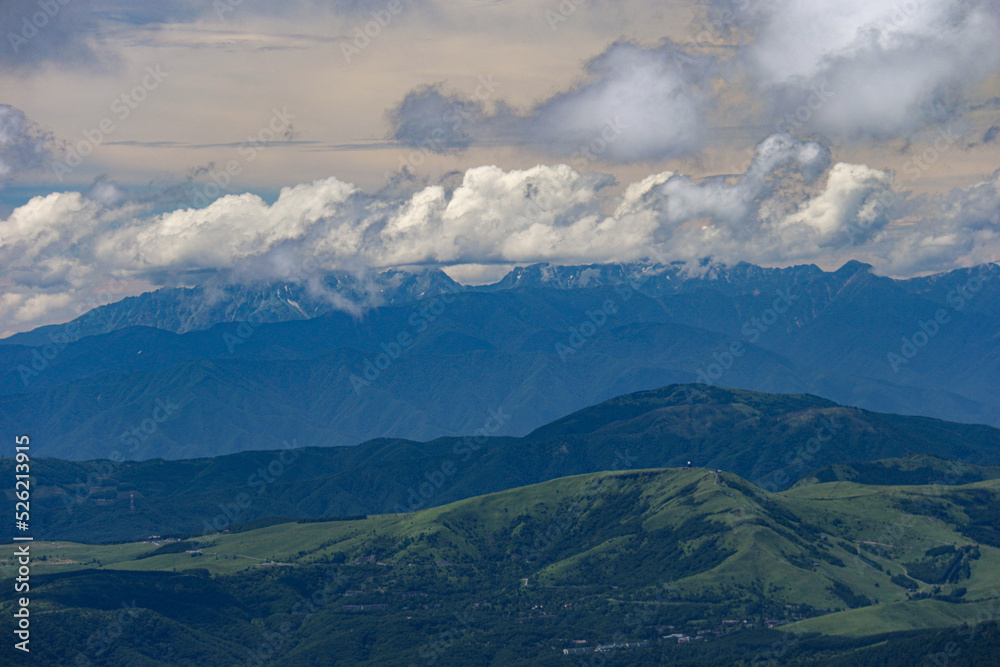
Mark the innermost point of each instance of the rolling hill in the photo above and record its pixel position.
(515, 577)
(771, 439)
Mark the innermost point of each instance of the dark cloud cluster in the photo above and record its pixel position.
(23, 144)
(634, 104)
(72, 33)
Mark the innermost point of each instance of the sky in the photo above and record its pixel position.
(178, 142)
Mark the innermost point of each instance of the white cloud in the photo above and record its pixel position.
(538, 214)
(963, 228)
(870, 68)
(851, 198)
(228, 230)
(790, 206)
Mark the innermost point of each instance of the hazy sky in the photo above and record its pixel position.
(474, 135)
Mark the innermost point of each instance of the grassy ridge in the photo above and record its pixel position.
(772, 439)
(593, 556)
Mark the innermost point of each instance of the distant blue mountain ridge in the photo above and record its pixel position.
(250, 366)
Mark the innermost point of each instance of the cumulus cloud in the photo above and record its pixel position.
(789, 206)
(737, 210)
(634, 104)
(23, 144)
(864, 68)
(793, 204)
(854, 198)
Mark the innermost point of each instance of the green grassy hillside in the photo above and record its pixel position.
(511, 577)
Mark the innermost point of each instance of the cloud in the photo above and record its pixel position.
(863, 68)
(852, 203)
(79, 33)
(23, 144)
(736, 210)
(962, 227)
(634, 104)
(431, 119)
(74, 33)
(793, 204)
(64, 33)
(41, 243)
(781, 210)
(227, 231)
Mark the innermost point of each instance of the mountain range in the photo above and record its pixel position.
(541, 343)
